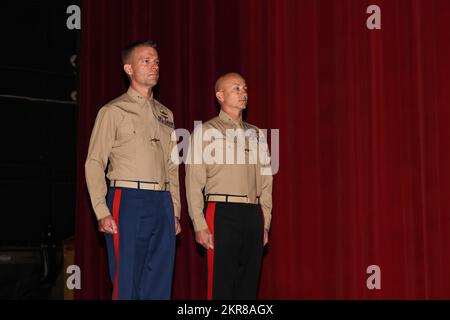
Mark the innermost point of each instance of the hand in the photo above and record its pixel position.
(266, 237)
(205, 238)
(107, 225)
(177, 226)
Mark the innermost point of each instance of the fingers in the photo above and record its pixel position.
(207, 242)
(177, 226)
(205, 238)
(107, 229)
(210, 242)
(266, 237)
(107, 225)
(207, 245)
(113, 226)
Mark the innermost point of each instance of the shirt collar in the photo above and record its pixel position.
(226, 118)
(138, 98)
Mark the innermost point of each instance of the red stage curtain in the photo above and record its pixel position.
(363, 118)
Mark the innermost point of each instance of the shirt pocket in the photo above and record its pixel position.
(126, 133)
(216, 151)
(251, 150)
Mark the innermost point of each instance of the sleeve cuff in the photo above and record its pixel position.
(176, 212)
(101, 211)
(199, 223)
(267, 219)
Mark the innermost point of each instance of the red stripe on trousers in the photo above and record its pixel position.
(116, 206)
(210, 210)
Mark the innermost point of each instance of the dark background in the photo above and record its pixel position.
(39, 121)
(39, 118)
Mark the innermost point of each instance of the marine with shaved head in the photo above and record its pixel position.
(230, 202)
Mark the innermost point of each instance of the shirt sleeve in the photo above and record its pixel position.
(172, 165)
(267, 179)
(100, 145)
(196, 180)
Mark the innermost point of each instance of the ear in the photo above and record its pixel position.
(128, 70)
(219, 96)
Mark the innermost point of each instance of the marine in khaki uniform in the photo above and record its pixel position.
(140, 216)
(230, 201)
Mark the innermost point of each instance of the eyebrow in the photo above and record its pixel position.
(148, 57)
